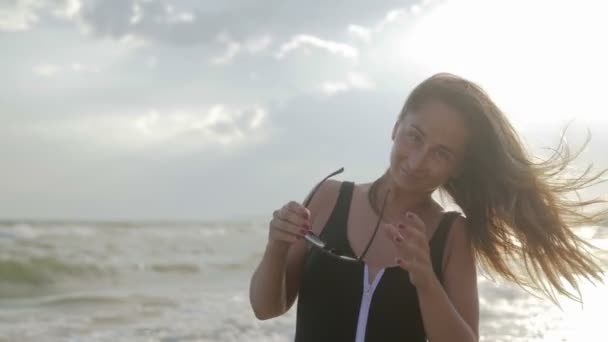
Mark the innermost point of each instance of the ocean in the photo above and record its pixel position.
(170, 282)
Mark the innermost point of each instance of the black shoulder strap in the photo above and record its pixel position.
(334, 232)
(438, 242)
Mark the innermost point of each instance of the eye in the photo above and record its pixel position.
(443, 154)
(414, 137)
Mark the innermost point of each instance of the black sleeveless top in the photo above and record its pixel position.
(331, 289)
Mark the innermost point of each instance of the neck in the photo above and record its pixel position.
(398, 201)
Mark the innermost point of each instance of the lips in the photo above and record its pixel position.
(408, 174)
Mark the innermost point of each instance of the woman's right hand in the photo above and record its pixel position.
(288, 225)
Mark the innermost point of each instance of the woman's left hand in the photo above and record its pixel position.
(412, 246)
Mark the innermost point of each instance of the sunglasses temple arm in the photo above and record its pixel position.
(312, 193)
(375, 229)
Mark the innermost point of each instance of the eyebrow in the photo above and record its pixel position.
(443, 147)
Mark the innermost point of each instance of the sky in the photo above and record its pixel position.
(213, 110)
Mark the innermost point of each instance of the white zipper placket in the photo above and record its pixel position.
(366, 300)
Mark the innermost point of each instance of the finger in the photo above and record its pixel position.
(412, 266)
(288, 227)
(412, 234)
(281, 235)
(415, 252)
(414, 220)
(285, 214)
(409, 249)
(399, 241)
(391, 232)
(298, 209)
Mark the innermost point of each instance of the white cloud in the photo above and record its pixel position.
(233, 48)
(218, 125)
(360, 32)
(394, 17)
(51, 70)
(46, 70)
(20, 16)
(353, 81)
(132, 42)
(137, 14)
(174, 16)
(259, 44)
(78, 67)
(70, 9)
(303, 41)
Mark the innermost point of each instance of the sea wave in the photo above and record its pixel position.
(43, 270)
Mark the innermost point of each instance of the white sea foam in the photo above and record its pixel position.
(164, 282)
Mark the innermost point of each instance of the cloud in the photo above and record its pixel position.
(18, 15)
(219, 125)
(393, 17)
(353, 81)
(46, 70)
(67, 9)
(191, 22)
(233, 48)
(259, 44)
(21, 15)
(304, 41)
(50, 70)
(360, 32)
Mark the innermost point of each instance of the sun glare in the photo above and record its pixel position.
(542, 61)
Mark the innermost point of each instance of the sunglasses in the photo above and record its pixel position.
(316, 241)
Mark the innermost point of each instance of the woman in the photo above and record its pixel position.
(417, 279)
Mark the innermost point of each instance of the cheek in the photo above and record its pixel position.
(395, 154)
(441, 172)
(399, 151)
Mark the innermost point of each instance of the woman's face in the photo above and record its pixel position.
(428, 147)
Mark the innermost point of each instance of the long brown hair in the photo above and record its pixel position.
(519, 210)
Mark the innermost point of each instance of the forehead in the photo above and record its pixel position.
(440, 123)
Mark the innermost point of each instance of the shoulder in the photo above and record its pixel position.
(325, 189)
(458, 244)
(323, 202)
(458, 238)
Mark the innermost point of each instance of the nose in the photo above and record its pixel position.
(416, 162)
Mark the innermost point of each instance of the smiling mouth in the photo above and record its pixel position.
(408, 174)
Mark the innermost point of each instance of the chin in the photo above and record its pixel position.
(407, 183)
(404, 182)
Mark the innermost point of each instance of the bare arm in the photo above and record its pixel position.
(451, 313)
(275, 283)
